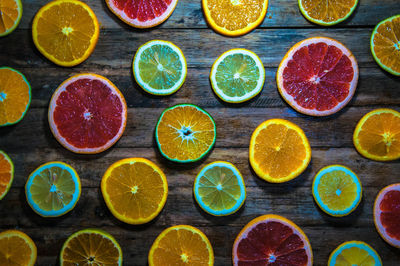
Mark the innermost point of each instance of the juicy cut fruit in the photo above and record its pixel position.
(91, 247)
(142, 13)
(318, 76)
(271, 240)
(385, 44)
(135, 190)
(387, 214)
(354, 253)
(65, 32)
(10, 16)
(17, 249)
(181, 245)
(6, 174)
(279, 150)
(87, 113)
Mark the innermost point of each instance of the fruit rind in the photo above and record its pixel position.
(26, 238)
(12, 174)
(358, 244)
(16, 23)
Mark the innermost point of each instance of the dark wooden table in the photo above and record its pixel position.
(30, 143)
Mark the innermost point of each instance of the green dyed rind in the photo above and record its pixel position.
(12, 174)
(16, 22)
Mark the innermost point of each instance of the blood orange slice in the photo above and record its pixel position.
(387, 214)
(271, 240)
(142, 13)
(87, 113)
(318, 76)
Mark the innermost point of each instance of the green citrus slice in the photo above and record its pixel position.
(10, 16)
(6, 174)
(53, 189)
(354, 253)
(237, 76)
(159, 67)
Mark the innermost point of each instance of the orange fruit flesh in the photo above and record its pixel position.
(5, 174)
(8, 14)
(14, 251)
(328, 10)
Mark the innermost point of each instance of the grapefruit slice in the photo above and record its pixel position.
(142, 13)
(272, 240)
(6, 174)
(387, 214)
(318, 76)
(87, 114)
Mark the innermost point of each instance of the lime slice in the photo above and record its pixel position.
(53, 189)
(237, 76)
(219, 189)
(159, 67)
(337, 190)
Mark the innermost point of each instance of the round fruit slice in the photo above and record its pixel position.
(17, 249)
(67, 39)
(234, 17)
(181, 245)
(385, 44)
(219, 189)
(318, 76)
(387, 214)
(377, 135)
(354, 253)
(53, 189)
(135, 190)
(327, 13)
(15, 96)
(337, 190)
(10, 16)
(279, 151)
(237, 76)
(272, 240)
(87, 114)
(6, 174)
(159, 67)
(185, 133)
(142, 14)
(91, 247)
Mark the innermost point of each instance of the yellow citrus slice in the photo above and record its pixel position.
(377, 135)
(135, 190)
(17, 249)
(6, 174)
(181, 245)
(279, 151)
(67, 39)
(10, 16)
(234, 17)
(354, 253)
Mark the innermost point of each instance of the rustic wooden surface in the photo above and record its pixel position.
(30, 143)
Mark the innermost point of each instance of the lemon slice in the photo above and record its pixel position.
(354, 253)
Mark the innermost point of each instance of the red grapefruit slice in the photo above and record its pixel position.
(87, 113)
(271, 240)
(387, 214)
(142, 13)
(318, 76)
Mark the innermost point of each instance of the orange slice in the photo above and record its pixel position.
(17, 249)
(10, 16)
(234, 17)
(67, 39)
(377, 135)
(181, 245)
(279, 151)
(6, 174)
(135, 190)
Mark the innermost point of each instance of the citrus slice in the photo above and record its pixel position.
(318, 76)
(377, 135)
(337, 190)
(67, 39)
(234, 17)
(91, 247)
(327, 13)
(142, 14)
(6, 174)
(354, 253)
(237, 76)
(181, 245)
(87, 114)
(10, 16)
(387, 214)
(279, 151)
(219, 189)
(135, 190)
(17, 249)
(185, 133)
(53, 189)
(15, 96)
(385, 44)
(272, 240)
(159, 67)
